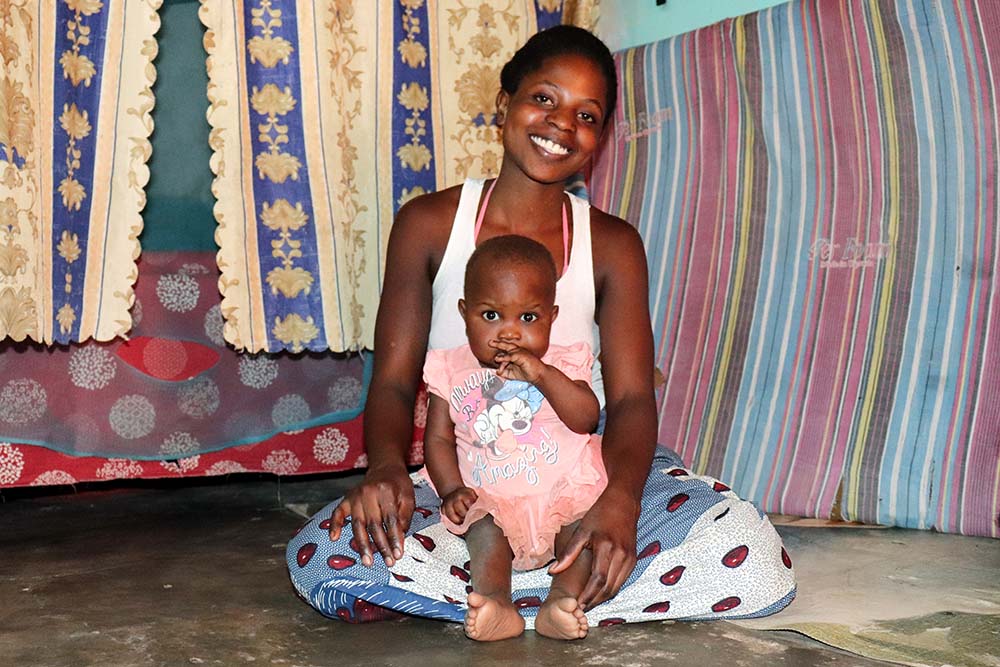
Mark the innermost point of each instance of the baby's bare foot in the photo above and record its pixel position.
(561, 618)
(489, 619)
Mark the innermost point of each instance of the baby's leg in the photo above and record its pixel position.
(561, 616)
(491, 614)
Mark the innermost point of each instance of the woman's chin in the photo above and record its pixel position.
(550, 172)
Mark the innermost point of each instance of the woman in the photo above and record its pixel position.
(557, 95)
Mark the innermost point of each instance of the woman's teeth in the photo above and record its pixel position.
(550, 146)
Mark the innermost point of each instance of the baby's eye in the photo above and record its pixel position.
(529, 317)
(491, 315)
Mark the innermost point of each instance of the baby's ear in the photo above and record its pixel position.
(461, 308)
(555, 313)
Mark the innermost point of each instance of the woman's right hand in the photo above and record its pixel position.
(380, 508)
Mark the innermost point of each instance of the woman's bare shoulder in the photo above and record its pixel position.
(420, 231)
(614, 239)
(431, 210)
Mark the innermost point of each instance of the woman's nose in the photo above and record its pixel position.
(560, 118)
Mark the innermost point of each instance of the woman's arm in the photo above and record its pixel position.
(382, 505)
(609, 528)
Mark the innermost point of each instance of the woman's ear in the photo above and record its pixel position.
(503, 99)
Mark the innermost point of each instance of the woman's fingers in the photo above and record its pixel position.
(577, 543)
(380, 516)
(395, 536)
(369, 534)
(400, 521)
(598, 577)
(623, 568)
(597, 581)
(609, 571)
(382, 520)
(338, 518)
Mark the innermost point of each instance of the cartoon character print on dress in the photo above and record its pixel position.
(510, 440)
(531, 472)
(507, 441)
(510, 407)
(682, 572)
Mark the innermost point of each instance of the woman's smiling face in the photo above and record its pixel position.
(554, 120)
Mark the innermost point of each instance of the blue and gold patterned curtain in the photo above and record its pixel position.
(326, 117)
(75, 106)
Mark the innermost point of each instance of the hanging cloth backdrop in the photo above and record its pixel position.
(328, 116)
(817, 188)
(74, 125)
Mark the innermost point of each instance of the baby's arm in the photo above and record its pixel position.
(573, 400)
(442, 462)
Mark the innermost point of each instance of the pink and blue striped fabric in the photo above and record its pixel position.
(817, 188)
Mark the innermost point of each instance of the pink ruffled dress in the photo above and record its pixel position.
(532, 474)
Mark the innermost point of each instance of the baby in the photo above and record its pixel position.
(508, 444)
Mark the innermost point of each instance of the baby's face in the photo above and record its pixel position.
(511, 304)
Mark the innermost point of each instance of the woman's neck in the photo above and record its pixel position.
(518, 202)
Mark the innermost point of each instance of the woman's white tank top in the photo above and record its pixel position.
(574, 291)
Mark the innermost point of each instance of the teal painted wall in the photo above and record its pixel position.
(178, 213)
(625, 23)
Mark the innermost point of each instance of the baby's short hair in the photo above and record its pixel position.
(510, 249)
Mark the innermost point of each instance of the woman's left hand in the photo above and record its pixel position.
(608, 529)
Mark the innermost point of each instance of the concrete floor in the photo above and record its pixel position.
(193, 573)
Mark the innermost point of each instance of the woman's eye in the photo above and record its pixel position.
(542, 99)
(587, 118)
(491, 316)
(529, 317)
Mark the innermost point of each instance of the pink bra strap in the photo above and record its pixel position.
(482, 210)
(565, 225)
(565, 241)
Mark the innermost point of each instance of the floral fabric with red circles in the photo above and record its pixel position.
(174, 400)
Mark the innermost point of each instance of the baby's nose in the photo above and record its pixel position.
(509, 333)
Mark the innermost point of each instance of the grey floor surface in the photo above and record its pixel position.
(194, 574)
